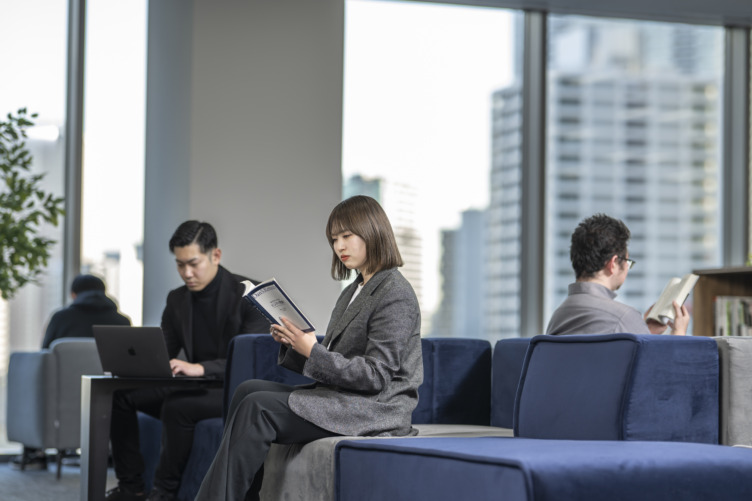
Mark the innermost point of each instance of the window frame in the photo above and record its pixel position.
(730, 14)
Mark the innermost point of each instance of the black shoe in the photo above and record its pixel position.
(159, 494)
(29, 461)
(118, 494)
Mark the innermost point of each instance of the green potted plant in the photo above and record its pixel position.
(24, 208)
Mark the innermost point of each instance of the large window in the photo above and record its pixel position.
(112, 194)
(634, 131)
(113, 160)
(33, 76)
(433, 128)
(419, 85)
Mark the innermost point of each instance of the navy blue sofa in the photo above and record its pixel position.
(593, 417)
(617, 417)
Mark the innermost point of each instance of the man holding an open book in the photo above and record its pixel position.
(601, 263)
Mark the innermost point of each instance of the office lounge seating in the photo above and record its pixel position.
(250, 356)
(596, 417)
(623, 413)
(44, 394)
(454, 401)
(619, 387)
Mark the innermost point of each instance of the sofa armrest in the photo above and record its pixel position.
(736, 390)
(31, 398)
(508, 357)
(75, 357)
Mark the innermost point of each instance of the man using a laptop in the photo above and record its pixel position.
(200, 318)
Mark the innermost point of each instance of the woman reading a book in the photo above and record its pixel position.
(366, 370)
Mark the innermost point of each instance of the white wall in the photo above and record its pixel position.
(244, 130)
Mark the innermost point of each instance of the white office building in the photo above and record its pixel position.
(398, 200)
(642, 146)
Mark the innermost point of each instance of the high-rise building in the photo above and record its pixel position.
(460, 311)
(501, 304)
(638, 145)
(442, 323)
(398, 201)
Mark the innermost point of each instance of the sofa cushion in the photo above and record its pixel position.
(619, 387)
(456, 382)
(517, 469)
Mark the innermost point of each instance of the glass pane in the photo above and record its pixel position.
(34, 78)
(634, 124)
(113, 165)
(419, 80)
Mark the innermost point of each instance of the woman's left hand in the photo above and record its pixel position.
(289, 335)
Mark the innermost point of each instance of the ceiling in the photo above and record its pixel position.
(735, 13)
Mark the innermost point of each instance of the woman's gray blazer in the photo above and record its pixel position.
(368, 378)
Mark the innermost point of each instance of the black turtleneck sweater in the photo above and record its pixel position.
(205, 328)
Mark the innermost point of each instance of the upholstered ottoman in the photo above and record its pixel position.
(619, 387)
(519, 469)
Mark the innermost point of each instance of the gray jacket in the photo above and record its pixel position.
(368, 378)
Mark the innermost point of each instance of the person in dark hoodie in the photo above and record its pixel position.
(90, 306)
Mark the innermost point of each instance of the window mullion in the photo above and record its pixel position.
(533, 174)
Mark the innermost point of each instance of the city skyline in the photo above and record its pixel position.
(619, 134)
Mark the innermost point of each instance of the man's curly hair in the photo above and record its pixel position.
(596, 240)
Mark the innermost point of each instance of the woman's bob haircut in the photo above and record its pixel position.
(364, 217)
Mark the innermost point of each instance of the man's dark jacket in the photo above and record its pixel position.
(235, 316)
(89, 308)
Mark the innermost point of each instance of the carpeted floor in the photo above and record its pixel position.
(43, 485)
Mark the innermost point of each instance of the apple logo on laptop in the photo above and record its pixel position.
(131, 351)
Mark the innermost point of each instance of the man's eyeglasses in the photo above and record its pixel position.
(629, 262)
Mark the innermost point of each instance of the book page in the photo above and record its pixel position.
(271, 298)
(678, 290)
(664, 306)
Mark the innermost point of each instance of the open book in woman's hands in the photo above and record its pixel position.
(678, 290)
(269, 298)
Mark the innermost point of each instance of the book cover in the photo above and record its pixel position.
(678, 290)
(272, 301)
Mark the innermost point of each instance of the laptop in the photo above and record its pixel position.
(134, 352)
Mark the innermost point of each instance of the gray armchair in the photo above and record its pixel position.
(44, 394)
